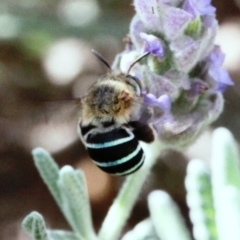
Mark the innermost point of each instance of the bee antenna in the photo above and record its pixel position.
(101, 58)
(140, 58)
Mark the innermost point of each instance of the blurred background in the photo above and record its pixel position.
(45, 63)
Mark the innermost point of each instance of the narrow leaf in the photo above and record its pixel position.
(225, 160)
(142, 231)
(62, 235)
(34, 225)
(228, 213)
(200, 201)
(49, 172)
(76, 202)
(225, 180)
(166, 217)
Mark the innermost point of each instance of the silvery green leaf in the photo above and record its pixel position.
(62, 235)
(200, 201)
(228, 213)
(226, 183)
(225, 160)
(34, 225)
(49, 172)
(166, 217)
(76, 204)
(142, 231)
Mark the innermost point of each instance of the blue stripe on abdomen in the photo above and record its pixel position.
(127, 167)
(120, 161)
(115, 152)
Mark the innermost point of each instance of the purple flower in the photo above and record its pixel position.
(215, 69)
(221, 87)
(199, 7)
(183, 78)
(152, 44)
(164, 101)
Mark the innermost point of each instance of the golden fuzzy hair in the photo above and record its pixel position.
(111, 98)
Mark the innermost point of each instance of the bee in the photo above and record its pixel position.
(110, 125)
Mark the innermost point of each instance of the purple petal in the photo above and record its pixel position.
(215, 69)
(199, 7)
(220, 75)
(217, 56)
(222, 87)
(150, 99)
(164, 101)
(152, 44)
(204, 7)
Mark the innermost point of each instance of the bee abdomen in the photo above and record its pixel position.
(116, 152)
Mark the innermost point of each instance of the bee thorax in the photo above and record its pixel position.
(109, 101)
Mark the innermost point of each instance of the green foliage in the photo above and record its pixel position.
(200, 201)
(62, 235)
(49, 172)
(69, 190)
(212, 195)
(75, 201)
(226, 184)
(194, 28)
(34, 225)
(166, 217)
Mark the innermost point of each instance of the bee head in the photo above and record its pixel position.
(113, 96)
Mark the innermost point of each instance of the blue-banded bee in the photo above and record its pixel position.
(110, 124)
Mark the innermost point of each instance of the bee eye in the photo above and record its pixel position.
(135, 84)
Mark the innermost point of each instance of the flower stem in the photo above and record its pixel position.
(120, 210)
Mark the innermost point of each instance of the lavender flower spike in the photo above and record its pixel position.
(183, 73)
